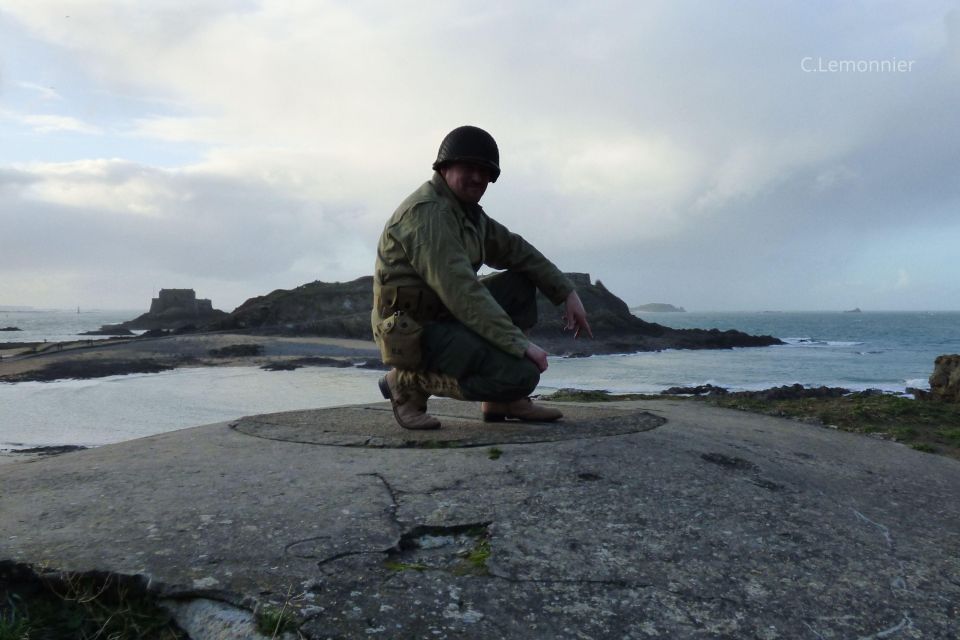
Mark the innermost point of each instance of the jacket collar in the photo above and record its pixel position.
(472, 212)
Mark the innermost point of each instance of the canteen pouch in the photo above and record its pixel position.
(398, 337)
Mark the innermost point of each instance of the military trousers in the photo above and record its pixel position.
(484, 371)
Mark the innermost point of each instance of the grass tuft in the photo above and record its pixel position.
(80, 607)
(273, 621)
(479, 555)
(925, 426)
(593, 395)
(13, 622)
(394, 565)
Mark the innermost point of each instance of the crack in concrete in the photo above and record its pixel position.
(883, 528)
(813, 631)
(286, 549)
(392, 510)
(905, 623)
(394, 507)
(346, 554)
(899, 583)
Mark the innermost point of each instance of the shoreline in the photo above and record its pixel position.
(85, 359)
(82, 360)
(10, 456)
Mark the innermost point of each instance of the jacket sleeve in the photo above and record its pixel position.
(434, 248)
(507, 250)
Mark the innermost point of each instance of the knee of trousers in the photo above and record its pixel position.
(518, 382)
(529, 378)
(505, 385)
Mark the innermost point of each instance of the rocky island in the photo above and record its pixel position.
(171, 309)
(342, 309)
(658, 307)
(322, 324)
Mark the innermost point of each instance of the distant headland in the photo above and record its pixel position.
(658, 307)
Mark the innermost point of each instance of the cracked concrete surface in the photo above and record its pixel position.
(717, 524)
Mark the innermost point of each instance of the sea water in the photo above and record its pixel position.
(57, 325)
(889, 351)
(116, 408)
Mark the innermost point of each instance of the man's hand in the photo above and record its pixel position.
(575, 316)
(537, 355)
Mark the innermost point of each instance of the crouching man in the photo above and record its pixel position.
(446, 331)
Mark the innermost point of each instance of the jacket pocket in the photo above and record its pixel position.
(398, 337)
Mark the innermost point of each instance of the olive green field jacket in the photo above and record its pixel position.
(433, 240)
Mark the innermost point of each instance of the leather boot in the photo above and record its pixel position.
(409, 401)
(523, 409)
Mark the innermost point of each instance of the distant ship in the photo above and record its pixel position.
(854, 310)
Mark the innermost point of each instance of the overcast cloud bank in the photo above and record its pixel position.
(680, 152)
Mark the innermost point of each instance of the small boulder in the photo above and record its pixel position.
(699, 390)
(945, 381)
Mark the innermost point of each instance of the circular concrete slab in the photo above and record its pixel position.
(374, 426)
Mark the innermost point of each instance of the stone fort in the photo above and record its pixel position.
(180, 302)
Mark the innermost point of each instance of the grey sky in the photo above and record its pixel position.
(684, 152)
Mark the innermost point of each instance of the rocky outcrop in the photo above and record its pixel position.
(616, 330)
(86, 369)
(337, 309)
(342, 309)
(945, 381)
(172, 309)
(108, 330)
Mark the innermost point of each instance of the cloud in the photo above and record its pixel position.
(46, 93)
(97, 215)
(676, 137)
(48, 123)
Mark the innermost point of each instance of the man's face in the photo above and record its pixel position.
(468, 181)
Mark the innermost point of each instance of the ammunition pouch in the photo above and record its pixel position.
(398, 337)
(403, 312)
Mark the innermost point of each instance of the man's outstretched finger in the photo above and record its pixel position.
(583, 324)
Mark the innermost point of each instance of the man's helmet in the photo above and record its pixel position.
(470, 144)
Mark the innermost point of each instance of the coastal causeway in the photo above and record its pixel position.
(686, 521)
